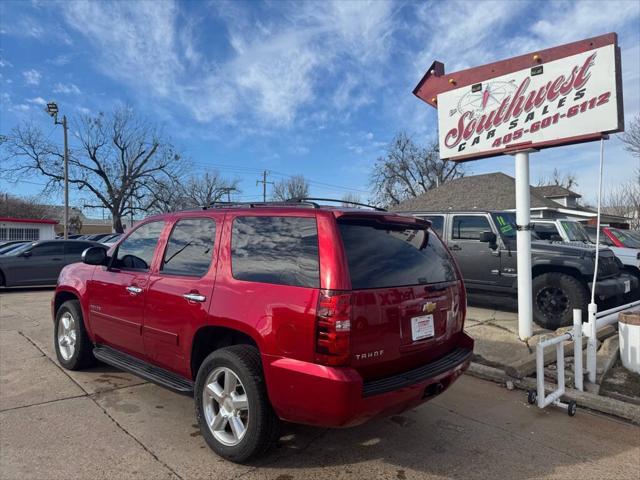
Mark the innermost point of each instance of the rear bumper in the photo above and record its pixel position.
(313, 394)
(611, 287)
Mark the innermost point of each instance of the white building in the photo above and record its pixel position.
(26, 229)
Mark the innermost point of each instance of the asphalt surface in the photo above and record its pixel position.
(105, 423)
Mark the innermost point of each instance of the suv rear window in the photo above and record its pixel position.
(382, 255)
(280, 250)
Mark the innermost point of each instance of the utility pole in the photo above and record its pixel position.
(52, 110)
(264, 185)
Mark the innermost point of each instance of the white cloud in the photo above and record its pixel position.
(32, 77)
(37, 101)
(5, 63)
(66, 88)
(275, 67)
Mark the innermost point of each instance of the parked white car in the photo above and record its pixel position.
(572, 231)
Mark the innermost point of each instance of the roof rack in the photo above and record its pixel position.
(286, 203)
(316, 199)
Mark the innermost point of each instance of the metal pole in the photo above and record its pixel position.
(577, 349)
(66, 179)
(525, 301)
(264, 186)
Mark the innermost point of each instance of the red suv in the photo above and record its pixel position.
(294, 311)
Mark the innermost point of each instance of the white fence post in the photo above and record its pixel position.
(577, 349)
(592, 345)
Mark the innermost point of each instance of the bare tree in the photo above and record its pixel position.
(292, 187)
(348, 199)
(191, 193)
(631, 137)
(116, 159)
(624, 200)
(22, 207)
(565, 180)
(409, 170)
(210, 188)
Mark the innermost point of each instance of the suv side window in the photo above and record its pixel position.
(49, 248)
(136, 252)
(280, 250)
(545, 231)
(469, 227)
(437, 222)
(190, 247)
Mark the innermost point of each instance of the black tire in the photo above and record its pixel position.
(262, 426)
(555, 295)
(532, 397)
(82, 356)
(2, 279)
(572, 408)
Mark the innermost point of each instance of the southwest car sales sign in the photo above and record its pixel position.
(566, 94)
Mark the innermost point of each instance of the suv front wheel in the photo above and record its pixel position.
(73, 346)
(232, 407)
(555, 295)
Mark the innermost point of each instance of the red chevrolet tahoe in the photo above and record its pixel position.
(320, 315)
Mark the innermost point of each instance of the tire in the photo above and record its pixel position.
(74, 352)
(2, 280)
(555, 295)
(215, 405)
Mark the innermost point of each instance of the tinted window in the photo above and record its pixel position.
(76, 248)
(49, 248)
(592, 231)
(190, 247)
(469, 227)
(381, 256)
(545, 231)
(136, 252)
(281, 250)
(437, 223)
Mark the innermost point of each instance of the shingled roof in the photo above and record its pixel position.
(555, 191)
(490, 191)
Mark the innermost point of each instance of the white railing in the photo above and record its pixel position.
(590, 329)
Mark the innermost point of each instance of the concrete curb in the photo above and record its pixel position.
(598, 403)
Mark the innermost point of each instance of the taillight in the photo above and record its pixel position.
(333, 328)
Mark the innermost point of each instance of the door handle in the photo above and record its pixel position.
(133, 290)
(56, 259)
(194, 297)
(455, 247)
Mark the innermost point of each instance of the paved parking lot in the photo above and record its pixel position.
(105, 423)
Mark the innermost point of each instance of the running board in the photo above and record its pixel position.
(138, 367)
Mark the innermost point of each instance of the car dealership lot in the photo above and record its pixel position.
(104, 423)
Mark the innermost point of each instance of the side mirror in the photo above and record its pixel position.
(95, 256)
(26, 254)
(488, 237)
(555, 238)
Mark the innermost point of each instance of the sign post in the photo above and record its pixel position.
(563, 95)
(523, 239)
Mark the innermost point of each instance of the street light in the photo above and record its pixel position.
(52, 110)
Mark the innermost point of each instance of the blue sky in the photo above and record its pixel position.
(317, 88)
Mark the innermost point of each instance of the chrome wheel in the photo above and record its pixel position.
(67, 335)
(226, 406)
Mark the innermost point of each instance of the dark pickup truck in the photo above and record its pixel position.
(484, 245)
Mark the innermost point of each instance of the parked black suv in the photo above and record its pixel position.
(484, 245)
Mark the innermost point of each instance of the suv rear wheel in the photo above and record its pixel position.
(232, 407)
(73, 347)
(555, 295)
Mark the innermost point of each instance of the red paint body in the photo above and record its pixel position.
(159, 325)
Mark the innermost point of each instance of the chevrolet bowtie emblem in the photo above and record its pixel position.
(428, 307)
